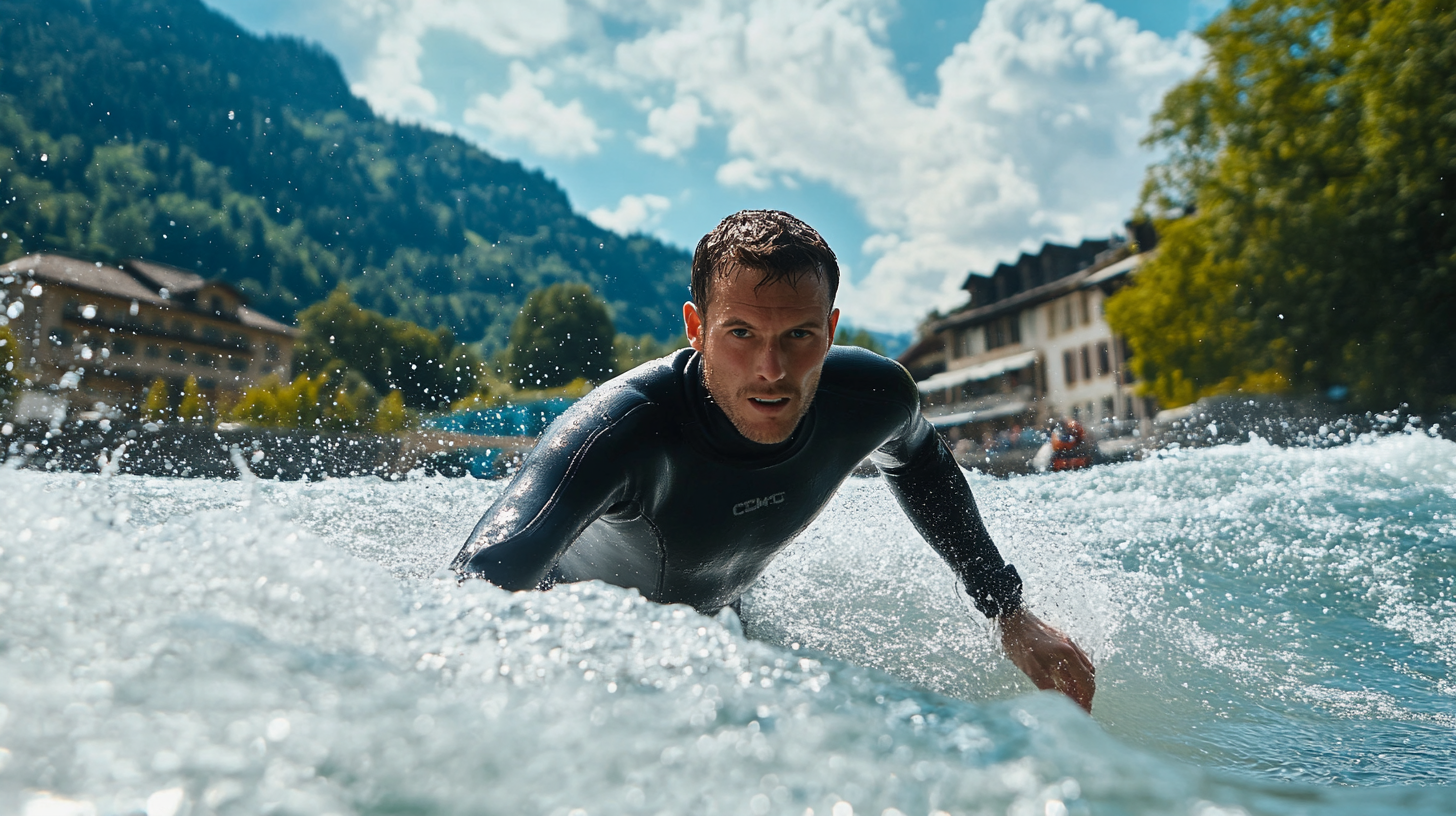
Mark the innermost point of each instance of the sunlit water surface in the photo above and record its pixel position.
(1275, 631)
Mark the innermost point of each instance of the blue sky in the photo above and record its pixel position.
(923, 139)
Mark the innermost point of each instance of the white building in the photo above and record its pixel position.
(1033, 346)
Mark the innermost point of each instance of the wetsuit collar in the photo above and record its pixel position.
(718, 430)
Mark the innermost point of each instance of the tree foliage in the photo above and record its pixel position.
(194, 407)
(160, 129)
(428, 367)
(1318, 145)
(9, 367)
(847, 336)
(158, 405)
(564, 332)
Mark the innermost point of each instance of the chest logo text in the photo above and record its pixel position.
(743, 508)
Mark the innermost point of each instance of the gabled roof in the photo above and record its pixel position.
(1091, 276)
(175, 280)
(94, 277)
(132, 280)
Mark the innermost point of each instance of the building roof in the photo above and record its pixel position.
(1090, 276)
(164, 276)
(258, 320)
(143, 281)
(93, 277)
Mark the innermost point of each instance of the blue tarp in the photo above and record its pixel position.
(523, 419)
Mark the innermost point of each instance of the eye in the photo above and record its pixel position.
(738, 332)
(799, 334)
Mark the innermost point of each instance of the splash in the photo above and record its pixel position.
(1275, 631)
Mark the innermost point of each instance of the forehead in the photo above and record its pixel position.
(741, 289)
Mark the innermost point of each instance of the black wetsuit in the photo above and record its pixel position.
(646, 483)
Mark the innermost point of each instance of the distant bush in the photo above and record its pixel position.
(9, 367)
(193, 408)
(428, 368)
(564, 332)
(157, 407)
(847, 336)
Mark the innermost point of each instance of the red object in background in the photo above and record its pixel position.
(1070, 448)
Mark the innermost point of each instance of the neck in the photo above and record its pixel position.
(722, 435)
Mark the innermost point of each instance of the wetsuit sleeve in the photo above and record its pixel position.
(930, 487)
(574, 474)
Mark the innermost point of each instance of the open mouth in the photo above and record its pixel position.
(767, 401)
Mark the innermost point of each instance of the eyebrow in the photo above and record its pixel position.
(735, 322)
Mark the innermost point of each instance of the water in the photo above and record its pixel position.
(1275, 631)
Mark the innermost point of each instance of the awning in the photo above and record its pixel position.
(984, 371)
(1005, 409)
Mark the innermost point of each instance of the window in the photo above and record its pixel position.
(1086, 363)
(212, 334)
(271, 353)
(1109, 409)
(1051, 320)
(60, 336)
(177, 355)
(1067, 322)
(204, 358)
(1086, 307)
(1104, 361)
(1003, 331)
(154, 351)
(216, 305)
(124, 346)
(182, 327)
(237, 364)
(1069, 367)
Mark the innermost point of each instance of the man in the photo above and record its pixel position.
(684, 477)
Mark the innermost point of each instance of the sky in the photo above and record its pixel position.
(924, 140)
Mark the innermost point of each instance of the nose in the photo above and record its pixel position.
(771, 362)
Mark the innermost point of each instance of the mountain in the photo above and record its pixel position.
(160, 129)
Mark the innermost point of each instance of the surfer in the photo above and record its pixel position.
(685, 476)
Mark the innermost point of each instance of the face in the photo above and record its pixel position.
(763, 350)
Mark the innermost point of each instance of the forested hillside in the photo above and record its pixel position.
(160, 129)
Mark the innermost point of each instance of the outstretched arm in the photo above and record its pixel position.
(934, 494)
(574, 474)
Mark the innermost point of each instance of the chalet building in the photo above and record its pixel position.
(96, 333)
(1032, 345)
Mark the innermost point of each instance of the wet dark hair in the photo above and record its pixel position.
(772, 242)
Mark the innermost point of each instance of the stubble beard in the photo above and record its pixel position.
(738, 412)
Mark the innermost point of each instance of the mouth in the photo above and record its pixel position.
(770, 402)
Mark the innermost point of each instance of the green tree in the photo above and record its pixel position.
(428, 368)
(1318, 147)
(563, 332)
(847, 336)
(632, 351)
(277, 404)
(391, 416)
(158, 405)
(9, 367)
(194, 408)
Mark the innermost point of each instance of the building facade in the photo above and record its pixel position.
(100, 334)
(1033, 346)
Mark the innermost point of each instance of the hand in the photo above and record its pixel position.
(1048, 657)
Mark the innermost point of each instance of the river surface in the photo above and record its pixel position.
(1275, 631)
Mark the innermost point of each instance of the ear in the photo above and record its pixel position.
(693, 326)
(833, 324)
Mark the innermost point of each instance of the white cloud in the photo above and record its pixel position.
(673, 129)
(523, 113)
(393, 82)
(742, 173)
(1033, 135)
(633, 214)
